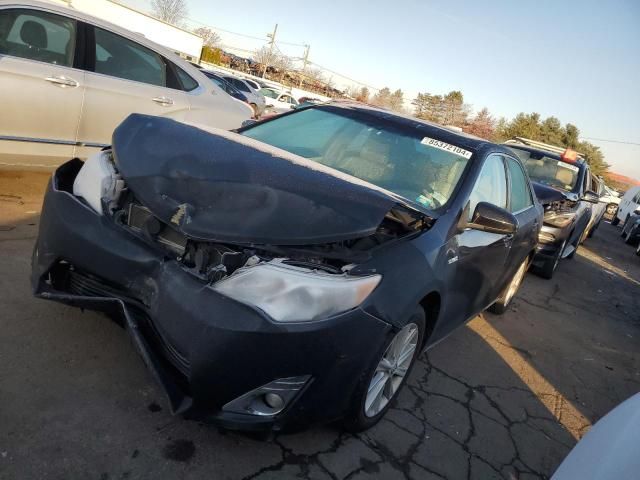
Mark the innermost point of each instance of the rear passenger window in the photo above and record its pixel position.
(491, 186)
(187, 82)
(39, 36)
(520, 192)
(119, 57)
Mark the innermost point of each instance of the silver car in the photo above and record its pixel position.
(68, 79)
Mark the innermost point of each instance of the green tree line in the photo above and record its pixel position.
(451, 109)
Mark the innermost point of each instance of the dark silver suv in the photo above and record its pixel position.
(563, 187)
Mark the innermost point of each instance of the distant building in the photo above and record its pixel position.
(183, 42)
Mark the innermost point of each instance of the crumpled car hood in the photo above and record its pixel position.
(222, 186)
(547, 194)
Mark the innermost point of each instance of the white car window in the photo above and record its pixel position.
(36, 35)
(119, 57)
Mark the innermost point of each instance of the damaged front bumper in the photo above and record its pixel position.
(205, 349)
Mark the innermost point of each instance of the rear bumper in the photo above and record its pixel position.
(203, 348)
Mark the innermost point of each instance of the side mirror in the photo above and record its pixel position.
(489, 218)
(591, 197)
(248, 123)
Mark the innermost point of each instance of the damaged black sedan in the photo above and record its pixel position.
(289, 273)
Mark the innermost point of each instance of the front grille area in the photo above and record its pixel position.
(90, 286)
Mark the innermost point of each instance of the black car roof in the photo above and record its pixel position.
(412, 123)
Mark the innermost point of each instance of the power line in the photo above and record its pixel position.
(253, 37)
(343, 76)
(624, 142)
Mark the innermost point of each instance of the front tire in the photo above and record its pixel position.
(549, 267)
(379, 388)
(504, 300)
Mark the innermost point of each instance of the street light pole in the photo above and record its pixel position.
(273, 41)
(304, 64)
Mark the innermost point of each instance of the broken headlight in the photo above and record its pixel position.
(98, 182)
(293, 294)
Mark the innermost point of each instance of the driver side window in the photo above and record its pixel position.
(491, 185)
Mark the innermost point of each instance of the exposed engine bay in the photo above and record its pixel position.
(102, 186)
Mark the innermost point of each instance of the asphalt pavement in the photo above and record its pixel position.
(504, 397)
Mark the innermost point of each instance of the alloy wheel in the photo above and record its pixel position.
(391, 370)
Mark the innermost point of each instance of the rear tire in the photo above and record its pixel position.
(623, 232)
(611, 211)
(630, 236)
(364, 414)
(501, 305)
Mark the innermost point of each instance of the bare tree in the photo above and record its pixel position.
(284, 64)
(315, 74)
(265, 56)
(170, 11)
(211, 38)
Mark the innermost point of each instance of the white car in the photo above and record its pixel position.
(609, 451)
(68, 79)
(278, 102)
(253, 84)
(629, 204)
(256, 100)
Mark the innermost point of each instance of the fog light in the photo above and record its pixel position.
(270, 399)
(274, 400)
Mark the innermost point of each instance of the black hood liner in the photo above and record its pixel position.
(229, 188)
(547, 194)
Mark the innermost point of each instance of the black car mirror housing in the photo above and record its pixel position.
(591, 197)
(490, 218)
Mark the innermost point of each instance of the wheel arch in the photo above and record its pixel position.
(430, 303)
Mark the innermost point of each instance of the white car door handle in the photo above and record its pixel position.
(165, 101)
(62, 81)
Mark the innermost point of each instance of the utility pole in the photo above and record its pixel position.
(272, 43)
(305, 60)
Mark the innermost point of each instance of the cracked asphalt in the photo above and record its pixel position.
(503, 397)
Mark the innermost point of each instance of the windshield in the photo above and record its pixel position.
(370, 150)
(547, 170)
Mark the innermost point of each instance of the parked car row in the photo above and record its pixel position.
(570, 195)
(628, 212)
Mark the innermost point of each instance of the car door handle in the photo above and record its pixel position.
(62, 81)
(164, 101)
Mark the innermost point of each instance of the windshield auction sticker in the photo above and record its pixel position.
(569, 166)
(447, 147)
